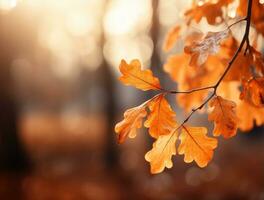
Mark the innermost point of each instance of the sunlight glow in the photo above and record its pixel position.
(126, 25)
(6, 5)
(140, 48)
(71, 31)
(126, 16)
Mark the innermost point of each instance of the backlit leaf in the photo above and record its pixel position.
(211, 10)
(132, 121)
(248, 114)
(162, 151)
(195, 145)
(224, 117)
(253, 91)
(133, 75)
(257, 16)
(161, 119)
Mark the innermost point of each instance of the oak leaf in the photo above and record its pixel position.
(177, 67)
(133, 75)
(210, 10)
(189, 78)
(209, 45)
(132, 121)
(253, 91)
(248, 114)
(162, 151)
(257, 16)
(230, 90)
(161, 118)
(240, 68)
(224, 117)
(195, 145)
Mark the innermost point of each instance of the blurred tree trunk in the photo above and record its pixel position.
(12, 154)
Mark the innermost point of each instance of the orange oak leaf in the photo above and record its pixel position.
(228, 48)
(195, 145)
(211, 10)
(253, 91)
(177, 66)
(133, 75)
(230, 90)
(162, 151)
(189, 78)
(132, 121)
(209, 45)
(257, 17)
(248, 114)
(161, 118)
(171, 38)
(224, 117)
(240, 68)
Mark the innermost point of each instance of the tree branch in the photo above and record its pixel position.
(244, 40)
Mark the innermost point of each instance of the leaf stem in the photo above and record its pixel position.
(243, 19)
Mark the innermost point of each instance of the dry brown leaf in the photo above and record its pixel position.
(133, 75)
(195, 145)
(161, 118)
(209, 45)
(224, 117)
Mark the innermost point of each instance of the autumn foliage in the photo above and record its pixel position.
(217, 71)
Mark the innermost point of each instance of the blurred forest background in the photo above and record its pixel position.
(60, 99)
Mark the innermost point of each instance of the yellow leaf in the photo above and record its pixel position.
(160, 154)
(132, 121)
(224, 117)
(171, 38)
(195, 145)
(240, 68)
(133, 75)
(161, 119)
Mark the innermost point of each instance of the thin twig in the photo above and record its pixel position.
(189, 91)
(243, 19)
